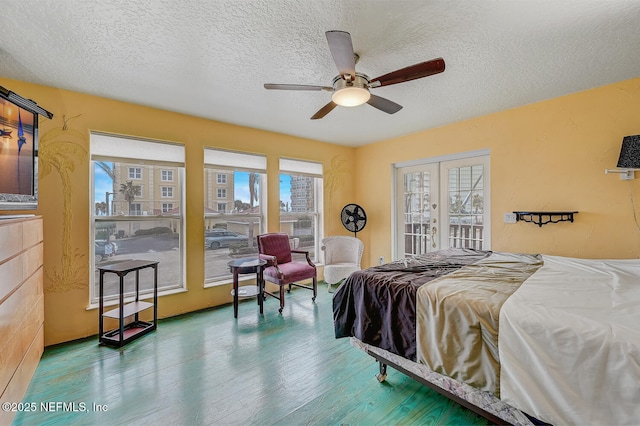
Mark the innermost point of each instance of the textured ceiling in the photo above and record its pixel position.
(211, 58)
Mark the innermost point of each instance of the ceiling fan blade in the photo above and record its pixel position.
(384, 104)
(423, 69)
(272, 86)
(342, 51)
(324, 110)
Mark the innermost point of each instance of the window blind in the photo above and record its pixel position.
(235, 160)
(308, 168)
(106, 147)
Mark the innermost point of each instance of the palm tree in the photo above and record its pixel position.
(130, 192)
(253, 188)
(253, 195)
(478, 203)
(108, 169)
(101, 208)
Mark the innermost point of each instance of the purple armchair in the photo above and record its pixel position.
(281, 269)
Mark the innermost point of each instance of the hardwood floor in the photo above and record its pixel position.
(208, 368)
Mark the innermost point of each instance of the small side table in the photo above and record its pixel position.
(124, 334)
(247, 265)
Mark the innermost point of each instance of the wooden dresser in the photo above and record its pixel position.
(21, 307)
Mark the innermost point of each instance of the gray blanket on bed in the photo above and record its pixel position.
(457, 317)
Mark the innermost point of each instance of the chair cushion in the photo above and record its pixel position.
(333, 274)
(291, 272)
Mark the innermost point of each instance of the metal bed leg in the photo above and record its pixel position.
(382, 375)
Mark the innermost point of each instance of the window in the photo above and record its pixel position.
(301, 204)
(135, 209)
(231, 226)
(133, 221)
(167, 191)
(167, 175)
(135, 173)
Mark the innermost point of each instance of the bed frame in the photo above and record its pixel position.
(481, 403)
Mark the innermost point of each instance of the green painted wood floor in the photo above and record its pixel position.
(206, 368)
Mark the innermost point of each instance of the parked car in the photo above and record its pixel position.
(103, 250)
(219, 239)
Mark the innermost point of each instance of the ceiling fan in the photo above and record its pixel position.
(351, 88)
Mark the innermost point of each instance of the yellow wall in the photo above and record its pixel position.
(64, 193)
(549, 156)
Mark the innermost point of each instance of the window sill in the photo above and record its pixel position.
(229, 280)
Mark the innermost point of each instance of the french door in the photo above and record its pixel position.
(442, 204)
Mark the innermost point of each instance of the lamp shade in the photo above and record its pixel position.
(630, 153)
(351, 96)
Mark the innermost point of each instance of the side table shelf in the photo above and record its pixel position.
(126, 333)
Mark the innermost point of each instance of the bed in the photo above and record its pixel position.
(518, 338)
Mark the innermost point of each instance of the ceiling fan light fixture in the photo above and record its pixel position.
(351, 92)
(351, 96)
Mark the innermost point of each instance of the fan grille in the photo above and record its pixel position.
(353, 218)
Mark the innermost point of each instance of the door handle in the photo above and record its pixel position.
(434, 231)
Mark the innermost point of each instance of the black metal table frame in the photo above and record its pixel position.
(244, 266)
(122, 269)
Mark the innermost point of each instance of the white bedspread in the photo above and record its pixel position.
(569, 343)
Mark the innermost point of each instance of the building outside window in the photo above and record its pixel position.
(135, 209)
(167, 191)
(135, 173)
(167, 175)
(301, 204)
(234, 215)
(131, 219)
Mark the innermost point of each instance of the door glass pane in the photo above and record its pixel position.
(417, 213)
(466, 206)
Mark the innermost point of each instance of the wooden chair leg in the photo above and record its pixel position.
(281, 299)
(315, 288)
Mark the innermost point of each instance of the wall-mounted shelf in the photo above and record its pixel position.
(542, 218)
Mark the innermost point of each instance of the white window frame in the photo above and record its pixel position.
(135, 173)
(166, 176)
(233, 161)
(136, 209)
(166, 207)
(166, 191)
(221, 178)
(122, 149)
(312, 169)
(221, 193)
